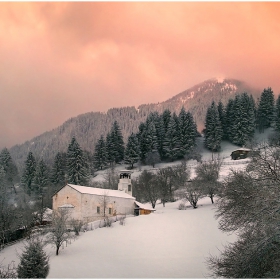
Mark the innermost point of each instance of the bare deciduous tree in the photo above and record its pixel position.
(59, 232)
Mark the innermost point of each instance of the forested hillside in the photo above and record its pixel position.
(87, 128)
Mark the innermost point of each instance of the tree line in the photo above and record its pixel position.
(239, 118)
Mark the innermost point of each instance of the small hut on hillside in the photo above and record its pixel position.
(240, 153)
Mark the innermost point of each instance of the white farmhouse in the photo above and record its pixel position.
(90, 204)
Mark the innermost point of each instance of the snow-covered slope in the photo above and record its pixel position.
(167, 244)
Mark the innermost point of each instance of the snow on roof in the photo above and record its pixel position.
(242, 149)
(98, 191)
(66, 206)
(142, 206)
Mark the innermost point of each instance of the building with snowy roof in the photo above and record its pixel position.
(89, 204)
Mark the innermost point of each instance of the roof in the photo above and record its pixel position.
(242, 149)
(142, 206)
(99, 191)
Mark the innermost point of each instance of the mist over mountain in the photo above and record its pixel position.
(88, 127)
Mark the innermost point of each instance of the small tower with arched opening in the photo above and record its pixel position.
(125, 181)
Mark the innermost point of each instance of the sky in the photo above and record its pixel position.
(62, 59)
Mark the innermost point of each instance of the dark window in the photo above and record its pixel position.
(129, 188)
(110, 211)
(98, 209)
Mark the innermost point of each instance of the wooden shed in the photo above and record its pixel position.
(240, 153)
(142, 209)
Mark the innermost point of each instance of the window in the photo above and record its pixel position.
(110, 211)
(129, 188)
(98, 209)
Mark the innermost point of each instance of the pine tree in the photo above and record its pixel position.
(277, 114)
(141, 135)
(77, 171)
(41, 178)
(171, 142)
(100, 154)
(132, 150)
(109, 149)
(58, 169)
(159, 124)
(230, 119)
(166, 116)
(213, 129)
(34, 263)
(151, 137)
(265, 111)
(117, 143)
(222, 116)
(187, 131)
(29, 173)
(11, 171)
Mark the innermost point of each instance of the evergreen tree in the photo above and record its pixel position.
(141, 135)
(41, 178)
(187, 131)
(11, 171)
(132, 150)
(76, 164)
(117, 143)
(29, 173)
(277, 114)
(151, 137)
(100, 154)
(213, 129)
(160, 132)
(222, 116)
(166, 116)
(109, 149)
(265, 111)
(58, 170)
(34, 263)
(171, 142)
(230, 118)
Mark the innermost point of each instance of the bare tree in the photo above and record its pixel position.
(193, 193)
(8, 272)
(59, 232)
(207, 176)
(249, 205)
(77, 225)
(111, 179)
(146, 183)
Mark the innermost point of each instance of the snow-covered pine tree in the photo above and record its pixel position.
(160, 133)
(187, 131)
(117, 143)
(141, 135)
(10, 168)
(151, 137)
(100, 154)
(166, 116)
(29, 173)
(109, 149)
(34, 263)
(265, 110)
(58, 170)
(171, 143)
(230, 119)
(131, 155)
(213, 129)
(277, 115)
(41, 178)
(222, 116)
(77, 170)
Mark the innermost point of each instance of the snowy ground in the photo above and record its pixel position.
(169, 243)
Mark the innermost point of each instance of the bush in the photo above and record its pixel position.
(122, 220)
(182, 206)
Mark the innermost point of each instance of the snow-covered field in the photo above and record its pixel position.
(169, 243)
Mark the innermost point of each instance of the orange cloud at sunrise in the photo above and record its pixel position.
(59, 60)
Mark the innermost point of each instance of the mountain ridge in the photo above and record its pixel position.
(88, 127)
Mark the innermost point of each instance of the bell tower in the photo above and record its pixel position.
(125, 181)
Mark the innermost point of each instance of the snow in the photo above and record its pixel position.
(168, 243)
(98, 191)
